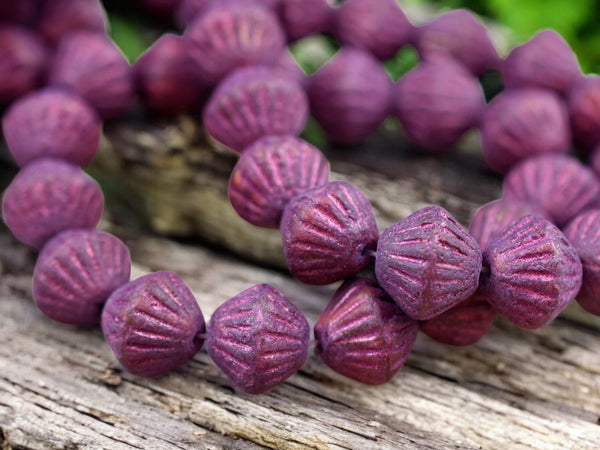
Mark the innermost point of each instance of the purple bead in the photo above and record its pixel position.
(287, 67)
(49, 196)
(153, 324)
(464, 324)
(545, 61)
(234, 35)
(377, 26)
(302, 18)
(252, 103)
(458, 34)
(583, 232)
(584, 110)
(329, 233)
(363, 335)
(350, 96)
(530, 273)
(258, 339)
(95, 68)
(521, 123)
(23, 58)
(493, 217)
(558, 184)
(437, 102)
(22, 12)
(52, 123)
(427, 263)
(167, 78)
(60, 17)
(270, 173)
(76, 272)
(188, 10)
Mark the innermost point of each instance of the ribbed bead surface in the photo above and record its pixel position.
(49, 196)
(378, 26)
(153, 324)
(464, 324)
(584, 234)
(559, 184)
(350, 96)
(584, 109)
(531, 273)
(96, 69)
(545, 61)
(521, 123)
(76, 272)
(328, 233)
(228, 37)
(427, 263)
(252, 103)
(302, 18)
(258, 338)
(493, 217)
(363, 335)
(52, 123)
(270, 173)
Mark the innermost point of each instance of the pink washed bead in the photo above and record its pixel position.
(458, 34)
(153, 324)
(545, 61)
(59, 17)
(167, 78)
(95, 68)
(584, 110)
(558, 184)
(521, 123)
(364, 336)
(252, 103)
(52, 123)
(328, 233)
(464, 324)
(427, 263)
(350, 96)
(234, 35)
(378, 26)
(530, 273)
(301, 18)
(493, 217)
(23, 59)
(287, 67)
(76, 272)
(258, 339)
(49, 196)
(437, 102)
(270, 173)
(583, 232)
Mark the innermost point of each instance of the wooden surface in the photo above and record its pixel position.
(61, 387)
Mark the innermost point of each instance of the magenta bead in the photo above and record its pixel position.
(95, 68)
(437, 102)
(329, 233)
(463, 324)
(286, 66)
(363, 335)
(270, 173)
(377, 26)
(258, 339)
(301, 18)
(583, 232)
(49, 196)
(493, 217)
(76, 272)
(584, 110)
(427, 263)
(153, 324)
(188, 10)
(458, 34)
(60, 17)
(350, 96)
(558, 184)
(530, 273)
(52, 123)
(252, 103)
(521, 123)
(228, 37)
(545, 61)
